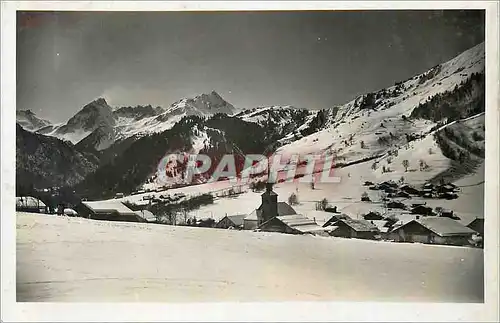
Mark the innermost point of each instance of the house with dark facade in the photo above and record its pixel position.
(422, 210)
(409, 189)
(433, 230)
(231, 221)
(360, 229)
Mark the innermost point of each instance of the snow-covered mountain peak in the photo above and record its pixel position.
(29, 121)
(91, 116)
(202, 105)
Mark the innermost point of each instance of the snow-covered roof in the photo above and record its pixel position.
(359, 225)
(145, 214)
(108, 206)
(444, 226)
(300, 223)
(69, 211)
(28, 201)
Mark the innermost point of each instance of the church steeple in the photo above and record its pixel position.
(269, 203)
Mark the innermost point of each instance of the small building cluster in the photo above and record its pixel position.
(428, 190)
(273, 216)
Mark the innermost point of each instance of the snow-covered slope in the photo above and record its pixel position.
(285, 122)
(69, 259)
(29, 121)
(374, 123)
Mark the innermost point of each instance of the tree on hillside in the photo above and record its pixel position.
(293, 199)
(422, 165)
(374, 166)
(406, 164)
(430, 151)
(363, 146)
(323, 204)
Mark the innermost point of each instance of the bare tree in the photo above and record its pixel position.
(293, 199)
(323, 203)
(406, 164)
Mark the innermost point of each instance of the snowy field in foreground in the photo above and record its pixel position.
(75, 259)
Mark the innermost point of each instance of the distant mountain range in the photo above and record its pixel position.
(122, 147)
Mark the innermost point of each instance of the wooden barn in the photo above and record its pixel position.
(433, 230)
(108, 210)
(231, 221)
(360, 229)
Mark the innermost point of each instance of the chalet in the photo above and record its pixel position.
(108, 210)
(447, 188)
(387, 188)
(433, 230)
(292, 224)
(373, 216)
(418, 204)
(477, 225)
(402, 194)
(428, 186)
(30, 204)
(423, 210)
(427, 193)
(396, 205)
(448, 214)
(360, 229)
(231, 221)
(334, 219)
(448, 195)
(392, 184)
(409, 189)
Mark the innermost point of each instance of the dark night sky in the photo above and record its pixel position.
(312, 60)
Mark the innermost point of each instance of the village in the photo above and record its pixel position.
(401, 219)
